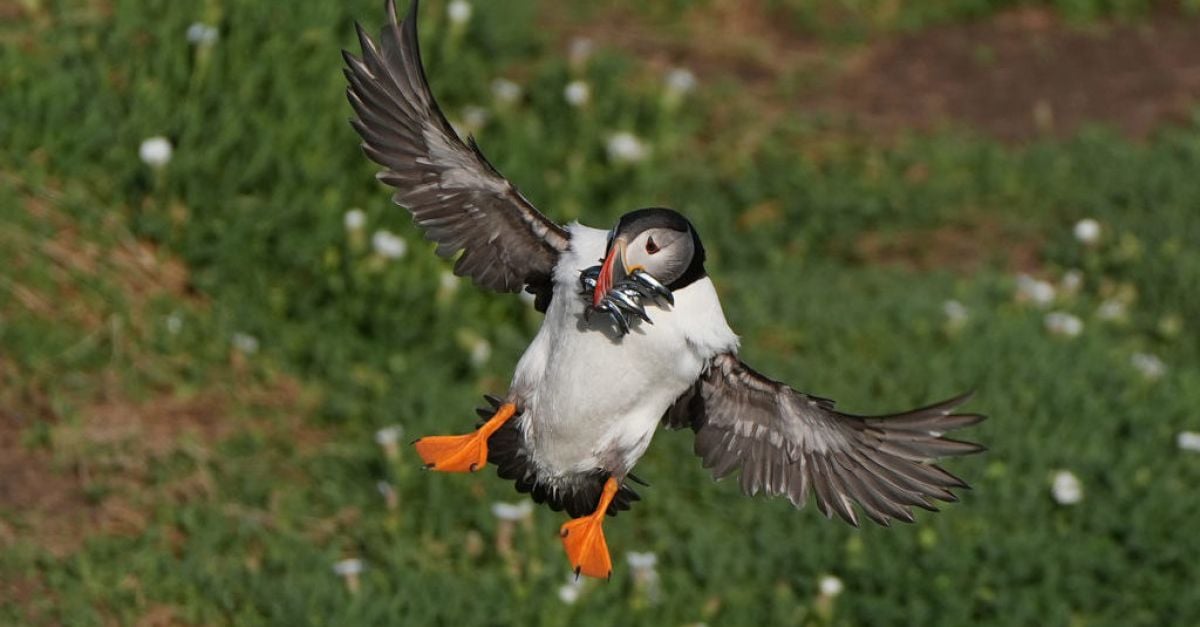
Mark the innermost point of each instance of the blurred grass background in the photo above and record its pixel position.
(199, 355)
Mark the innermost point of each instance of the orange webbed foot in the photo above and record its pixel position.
(583, 538)
(462, 453)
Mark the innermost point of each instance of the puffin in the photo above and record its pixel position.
(633, 338)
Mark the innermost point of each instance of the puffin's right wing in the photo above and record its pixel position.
(453, 193)
(787, 442)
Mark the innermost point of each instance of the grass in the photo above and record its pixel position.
(191, 476)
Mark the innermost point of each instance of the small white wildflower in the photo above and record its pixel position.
(1188, 441)
(1111, 309)
(513, 512)
(680, 81)
(481, 351)
(352, 566)
(201, 34)
(349, 570)
(174, 323)
(1063, 323)
(625, 147)
(247, 344)
(1071, 281)
(579, 51)
(390, 498)
(459, 11)
(569, 592)
(389, 435)
(641, 561)
(475, 118)
(1036, 291)
(1149, 365)
(645, 575)
(388, 245)
(1087, 231)
(1066, 488)
(354, 219)
(448, 282)
(956, 313)
(505, 91)
(156, 151)
(388, 438)
(830, 586)
(577, 93)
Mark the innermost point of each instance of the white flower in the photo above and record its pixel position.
(1036, 291)
(1149, 365)
(680, 81)
(389, 436)
(625, 147)
(390, 498)
(1071, 281)
(1188, 441)
(348, 567)
(513, 512)
(645, 575)
(388, 245)
(505, 91)
(201, 34)
(459, 11)
(474, 118)
(830, 586)
(641, 561)
(354, 219)
(569, 592)
(448, 282)
(1087, 231)
(174, 323)
(577, 93)
(956, 313)
(245, 343)
(1062, 323)
(579, 51)
(1111, 309)
(481, 350)
(1066, 489)
(155, 151)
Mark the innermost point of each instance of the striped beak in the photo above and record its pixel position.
(612, 271)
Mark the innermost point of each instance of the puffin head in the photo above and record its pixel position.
(658, 241)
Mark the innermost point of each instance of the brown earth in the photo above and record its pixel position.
(1017, 75)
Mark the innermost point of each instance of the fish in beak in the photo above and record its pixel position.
(612, 271)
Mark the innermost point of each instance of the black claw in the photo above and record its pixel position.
(578, 570)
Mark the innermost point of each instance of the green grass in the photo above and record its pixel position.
(252, 204)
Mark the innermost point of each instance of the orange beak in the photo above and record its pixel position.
(609, 272)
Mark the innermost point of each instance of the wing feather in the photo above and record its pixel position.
(788, 443)
(454, 194)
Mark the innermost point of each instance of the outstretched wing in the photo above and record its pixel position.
(786, 442)
(454, 194)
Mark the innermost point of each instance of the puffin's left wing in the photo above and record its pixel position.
(453, 193)
(787, 442)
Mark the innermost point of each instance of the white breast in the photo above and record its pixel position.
(592, 399)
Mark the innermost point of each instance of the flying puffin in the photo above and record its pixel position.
(633, 337)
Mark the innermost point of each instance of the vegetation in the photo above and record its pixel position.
(197, 357)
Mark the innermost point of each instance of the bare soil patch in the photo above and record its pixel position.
(1016, 75)
(961, 247)
(1026, 73)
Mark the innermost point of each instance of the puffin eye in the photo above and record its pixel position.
(651, 247)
